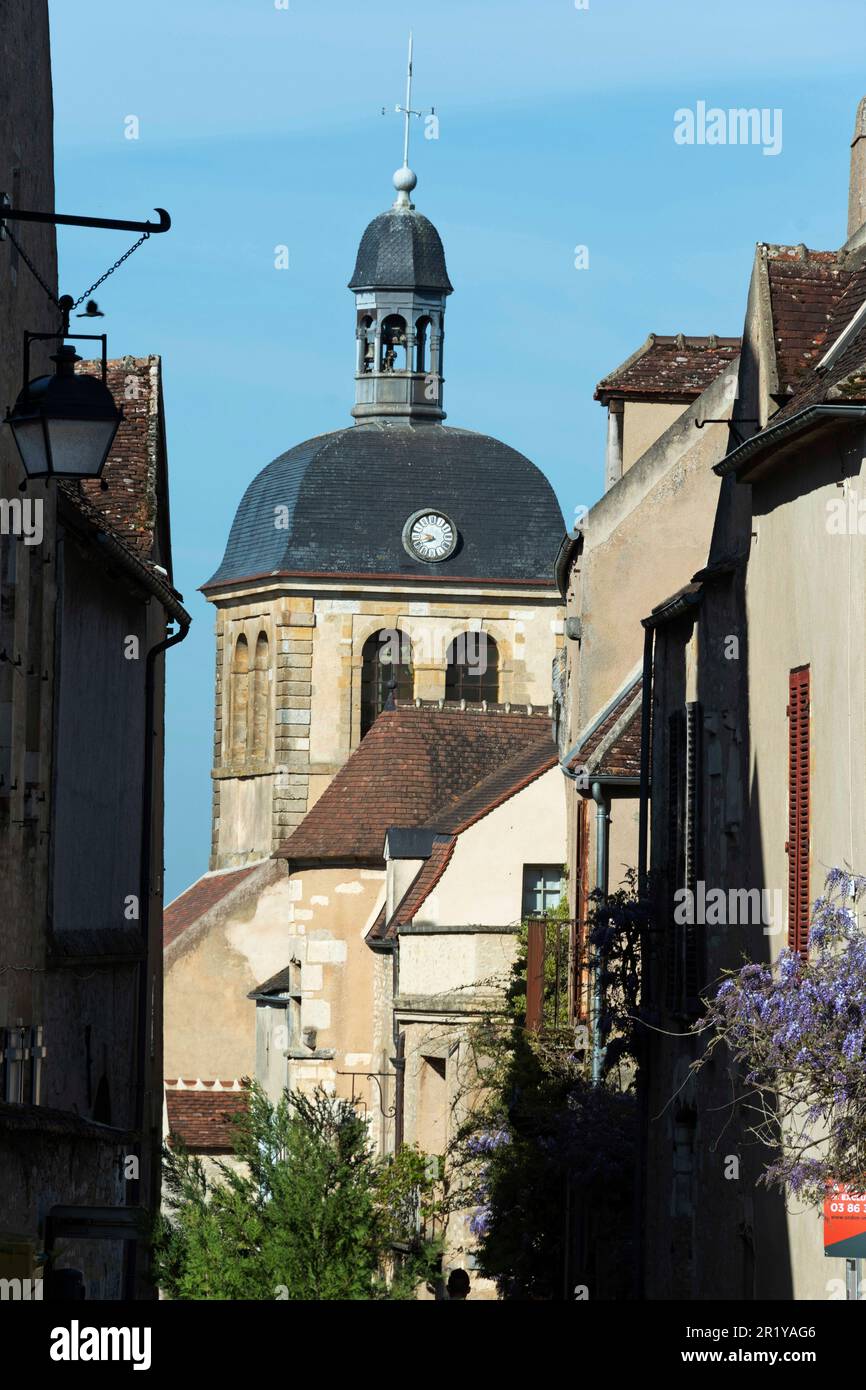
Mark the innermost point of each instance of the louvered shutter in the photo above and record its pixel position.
(675, 854)
(798, 810)
(692, 932)
(535, 973)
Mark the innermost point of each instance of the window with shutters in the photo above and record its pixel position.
(798, 810)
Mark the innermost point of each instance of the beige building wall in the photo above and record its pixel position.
(454, 966)
(805, 592)
(643, 423)
(209, 971)
(642, 541)
(529, 828)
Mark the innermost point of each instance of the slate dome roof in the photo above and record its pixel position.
(401, 249)
(347, 496)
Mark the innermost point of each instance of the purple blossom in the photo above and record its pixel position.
(799, 1032)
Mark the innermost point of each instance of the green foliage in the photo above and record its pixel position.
(547, 1156)
(311, 1214)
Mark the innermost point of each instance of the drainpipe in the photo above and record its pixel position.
(641, 1079)
(135, 1265)
(645, 729)
(602, 821)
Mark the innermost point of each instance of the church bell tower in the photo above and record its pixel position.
(400, 283)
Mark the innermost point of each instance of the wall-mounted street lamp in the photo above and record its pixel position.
(64, 423)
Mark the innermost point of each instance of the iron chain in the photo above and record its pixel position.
(95, 286)
(111, 269)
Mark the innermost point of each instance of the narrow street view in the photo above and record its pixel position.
(432, 764)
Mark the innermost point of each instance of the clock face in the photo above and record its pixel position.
(429, 535)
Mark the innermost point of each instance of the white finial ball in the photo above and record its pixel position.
(405, 179)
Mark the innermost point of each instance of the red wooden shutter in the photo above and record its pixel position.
(536, 935)
(798, 810)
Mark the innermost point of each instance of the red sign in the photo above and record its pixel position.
(845, 1225)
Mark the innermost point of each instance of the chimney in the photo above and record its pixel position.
(857, 185)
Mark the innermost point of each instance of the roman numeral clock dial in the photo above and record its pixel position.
(429, 535)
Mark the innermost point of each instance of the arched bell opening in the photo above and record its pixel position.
(393, 344)
(385, 657)
(422, 340)
(472, 669)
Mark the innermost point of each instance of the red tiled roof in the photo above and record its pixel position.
(203, 1120)
(198, 899)
(129, 504)
(805, 290)
(676, 368)
(844, 380)
(425, 881)
(412, 764)
(622, 757)
(493, 790)
(498, 786)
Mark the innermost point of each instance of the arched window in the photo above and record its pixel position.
(239, 700)
(422, 335)
(393, 344)
(472, 671)
(261, 698)
(386, 656)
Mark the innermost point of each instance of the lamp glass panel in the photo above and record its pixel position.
(30, 439)
(79, 447)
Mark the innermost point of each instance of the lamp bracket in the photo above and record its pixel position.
(65, 336)
(59, 219)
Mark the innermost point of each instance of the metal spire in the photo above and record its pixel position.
(407, 109)
(405, 179)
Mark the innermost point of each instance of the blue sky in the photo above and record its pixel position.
(261, 126)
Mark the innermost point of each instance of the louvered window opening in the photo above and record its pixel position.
(685, 939)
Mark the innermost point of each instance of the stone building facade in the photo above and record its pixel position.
(80, 769)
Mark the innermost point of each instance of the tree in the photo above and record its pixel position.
(546, 1157)
(309, 1215)
(798, 1035)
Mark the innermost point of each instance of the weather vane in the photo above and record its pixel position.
(407, 111)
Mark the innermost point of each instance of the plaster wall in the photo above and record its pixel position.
(529, 828)
(805, 606)
(209, 971)
(643, 423)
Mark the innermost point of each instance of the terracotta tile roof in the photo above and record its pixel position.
(412, 764)
(806, 288)
(198, 899)
(129, 504)
(621, 757)
(203, 1119)
(844, 380)
(424, 883)
(676, 368)
(611, 746)
(502, 783)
